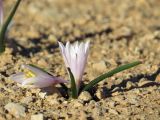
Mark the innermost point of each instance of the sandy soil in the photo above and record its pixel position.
(120, 31)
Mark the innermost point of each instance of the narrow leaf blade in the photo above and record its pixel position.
(73, 85)
(109, 74)
(5, 26)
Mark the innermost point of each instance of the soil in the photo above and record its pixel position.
(120, 31)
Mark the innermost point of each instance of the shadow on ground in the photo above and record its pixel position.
(27, 52)
(108, 92)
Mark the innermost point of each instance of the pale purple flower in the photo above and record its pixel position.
(1, 12)
(75, 58)
(35, 78)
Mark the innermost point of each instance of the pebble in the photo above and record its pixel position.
(157, 34)
(116, 93)
(123, 32)
(52, 101)
(99, 94)
(42, 62)
(112, 104)
(116, 89)
(158, 78)
(113, 111)
(143, 82)
(42, 94)
(85, 96)
(78, 103)
(15, 109)
(100, 66)
(130, 85)
(137, 91)
(37, 117)
(26, 100)
(133, 101)
(52, 38)
(118, 98)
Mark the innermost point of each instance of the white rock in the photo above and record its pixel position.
(85, 96)
(158, 79)
(144, 82)
(42, 94)
(26, 100)
(37, 117)
(130, 85)
(100, 66)
(113, 111)
(78, 103)
(15, 109)
(112, 104)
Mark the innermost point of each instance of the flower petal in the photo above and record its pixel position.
(35, 70)
(19, 77)
(41, 83)
(87, 47)
(76, 55)
(64, 54)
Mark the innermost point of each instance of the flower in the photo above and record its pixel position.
(1, 12)
(35, 77)
(75, 58)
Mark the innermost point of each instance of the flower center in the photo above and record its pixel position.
(29, 74)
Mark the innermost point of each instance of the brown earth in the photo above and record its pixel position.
(120, 31)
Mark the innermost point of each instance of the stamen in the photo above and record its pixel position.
(29, 74)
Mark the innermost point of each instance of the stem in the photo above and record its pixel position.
(5, 26)
(73, 85)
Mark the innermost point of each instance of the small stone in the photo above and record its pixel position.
(37, 117)
(42, 94)
(27, 100)
(52, 39)
(42, 62)
(115, 93)
(157, 34)
(85, 96)
(133, 101)
(65, 102)
(78, 103)
(130, 85)
(15, 109)
(112, 104)
(115, 89)
(118, 98)
(151, 88)
(137, 91)
(158, 78)
(52, 101)
(144, 82)
(113, 111)
(99, 94)
(123, 32)
(100, 66)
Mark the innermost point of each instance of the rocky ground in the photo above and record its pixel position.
(120, 31)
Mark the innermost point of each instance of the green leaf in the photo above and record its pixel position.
(5, 26)
(42, 69)
(73, 85)
(109, 74)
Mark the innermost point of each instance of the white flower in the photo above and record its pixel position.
(75, 58)
(1, 12)
(35, 77)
